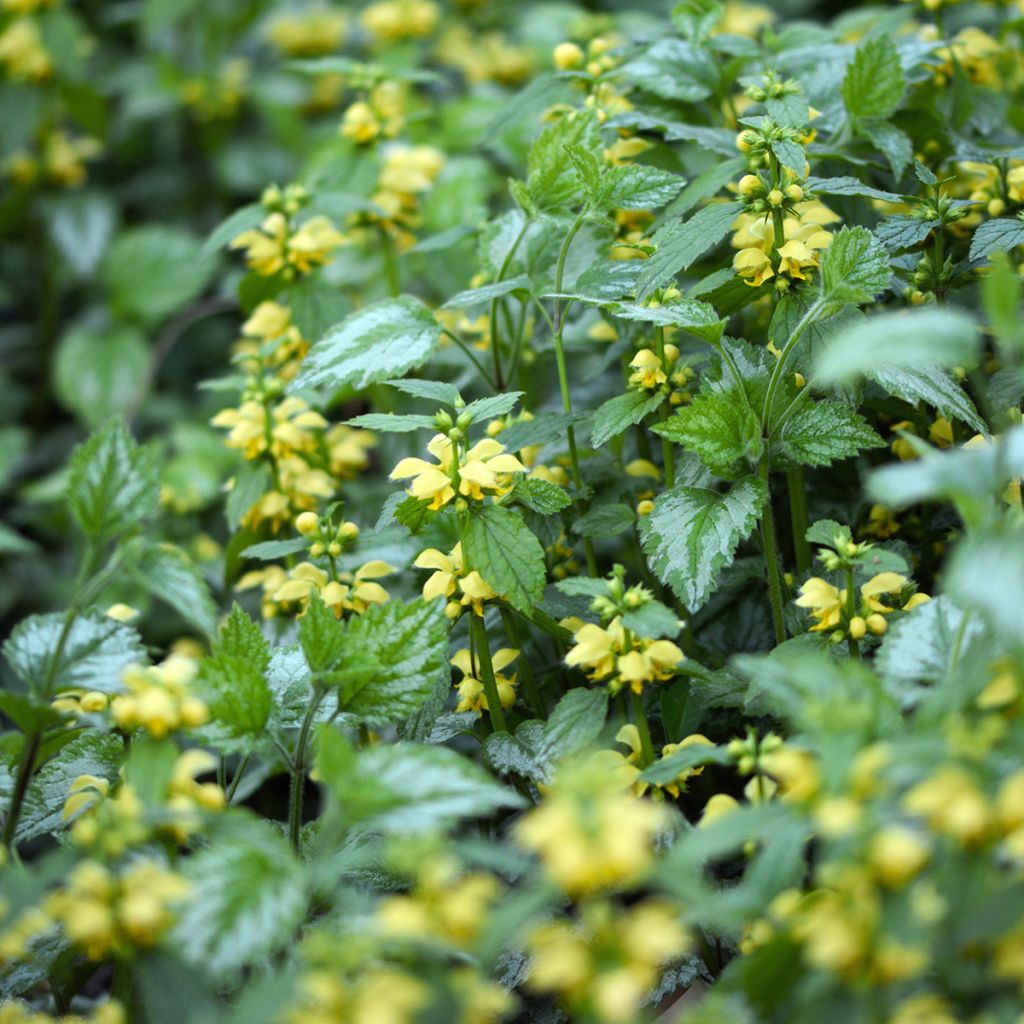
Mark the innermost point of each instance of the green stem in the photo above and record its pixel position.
(813, 312)
(640, 717)
(667, 453)
(237, 778)
(563, 383)
(476, 362)
(516, 639)
(851, 611)
(771, 557)
(495, 333)
(483, 656)
(798, 517)
(298, 768)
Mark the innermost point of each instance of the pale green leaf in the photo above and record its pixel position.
(854, 268)
(874, 84)
(820, 433)
(621, 412)
(503, 549)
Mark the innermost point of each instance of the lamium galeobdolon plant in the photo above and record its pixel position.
(660, 372)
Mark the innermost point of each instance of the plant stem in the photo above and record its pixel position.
(499, 383)
(771, 557)
(813, 312)
(299, 768)
(515, 638)
(486, 668)
(237, 778)
(851, 611)
(667, 453)
(476, 362)
(798, 517)
(563, 382)
(640, 716)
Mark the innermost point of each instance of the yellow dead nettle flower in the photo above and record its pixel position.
(445, 903)
(85, 792)
(836, 925)
(348, 450)
(270, 579)
(650, 371)
(217, 95)
(482, 57)
(381, 994)
(804, 238)
(187, 798)
(615, 655)
(896, 854)
(158, 698)
(926, 1008)
(289, 427)
(717, 807)
(407, 172)
(590, 831)
(22, 53)
(629, 735)
(102, 912)
(952, 805)
(380, 115)
(827, 603)
(390, 20)
(794, 771)
(273, 341)
(471, 687)
(64, 158)
(882, 523)
(276, 246)
(350, 592)
(80, 702)
(486, 467)
(307, 33)
(602, 964)
(741, 19)
(450, 578)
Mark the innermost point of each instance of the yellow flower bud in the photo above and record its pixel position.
(749, 184)
(775, 197)
(568, 57)
(858, 627)
(307, 523)
(877, 624)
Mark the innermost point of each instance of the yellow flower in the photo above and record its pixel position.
(486, 466)
(274, 246)
(827, 603)
(22, 52)
(349, 592)
(952, 805)
(896, 854)
(309, 33)
(391, 20)
(649, 373)
(158, 698)
(610, 653)
(471, 689)
(85, 792)
(754, 266)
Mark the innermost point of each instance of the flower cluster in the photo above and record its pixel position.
(616, 655)
(159, 698)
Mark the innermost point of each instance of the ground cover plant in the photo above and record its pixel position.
(511, 513)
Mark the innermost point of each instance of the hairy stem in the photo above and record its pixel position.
(486, 669)
(771, 557)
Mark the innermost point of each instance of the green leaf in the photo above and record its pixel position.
(653, 619)
(493, 406)
(921, 644)
(937, 337)
(391, 658)
(724, 433)
(605, 521)
(707, 184)
(113, 484)
(894, 143)
(96, 650)
(933, 386)
(248, 896)
(874, 84)
(854, 268)
(790, 154)
(553, 180)
(503, 549)
(92, 753)
(636, 187)
(167, 573)
(820, 433)
(315, 305)
(693, 533)
(903, 232)
(673, 69)
(413, 513)
(392, 423)
(412, 788)
(681, 243)
(432, 390)
(376, 342)
(849, 186)
(270, 550)
(153, 271)
(232, 681)
(986, 575)
(574, 724)
(29, 713)
(667, 769)
(321, 636)
(97, 374)
(81, 224)
(826, 531)
(697, 318)
(487, 293)
(621, 412)
(249, 484)
(544, 428)
(540, 495)
(999, 235)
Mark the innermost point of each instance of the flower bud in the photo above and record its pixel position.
(858, 627)
(334, 549)
(877, 624)
(307, 523)
(749, 184)
(568, 57)
(775, 197)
